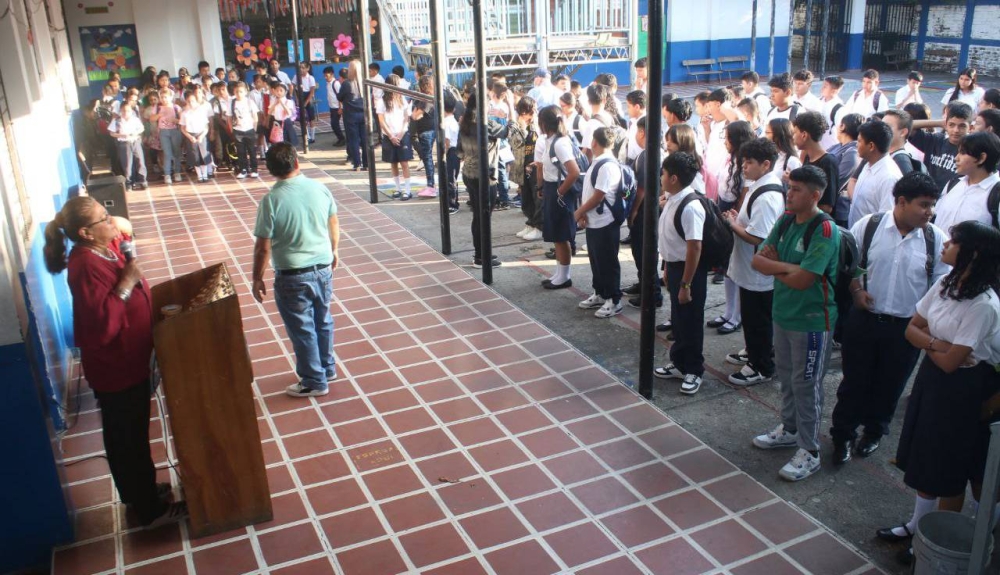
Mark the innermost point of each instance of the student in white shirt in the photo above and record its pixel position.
(403, 82)
(600, 188)
(243, 124)
(450, 126)
(910, 93)
(635, 107)
(783, 105)
(127, 130)
(333, 84)
(194, 125)
(873, 191)
(779, 131)
(965, 89)
(397, 148)
(556, 179)
(686, 278)
(751, 89)
(945, 433)
(903, 260)
(751, 224)
(833, 108)
(802, 85)
(277, 72)
(305, 91)
(597, 97)
(572, 117)
(965, 198)
(869, 99)
(641, 75)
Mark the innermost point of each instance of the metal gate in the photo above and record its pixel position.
(833, 36)
(889, 25)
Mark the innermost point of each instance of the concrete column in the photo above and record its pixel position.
(856, 35)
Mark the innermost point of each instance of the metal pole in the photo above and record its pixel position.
(485, 229)
(770, 56)
(824, 38)
(650, 205)
(440, 63)
(269, 8)
(298, 60)
(753, 36)
(982, 536)
(807, 40)
(365, 45)
(791, 35)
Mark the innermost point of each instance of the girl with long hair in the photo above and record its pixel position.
(573, 116)
(558, 197)
(682, 138)
(352, 102)
(394, 120)
(779, 131)
(965, 90)
(945, 434)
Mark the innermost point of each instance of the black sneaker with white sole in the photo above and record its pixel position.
(738, 358)
(668, 371)
(691, 384)
(748, 376)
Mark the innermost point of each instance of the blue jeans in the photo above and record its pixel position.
(304, 304)
(170, 142)
(503, 183)
(357, 150)
(425, 149)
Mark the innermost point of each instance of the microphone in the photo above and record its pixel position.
(127, 250)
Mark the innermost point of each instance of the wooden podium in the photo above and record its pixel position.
(207, 377)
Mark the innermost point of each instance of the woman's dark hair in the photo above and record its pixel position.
(982, 143)
(569, 99)
(527, 105)
(781, 135)
(957, 90)
(850, 125)
(916, 185)
(148, 78)
(551, 123)
(610, 102)
(760, 150)
(991, 117)
(76, 213)
(992, 97)
(468, 123)
(737, 134)
(812, 123)
(683, 165)
(392, 100)
(978, 256)
(281, 159)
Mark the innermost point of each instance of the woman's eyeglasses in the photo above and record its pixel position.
(105, 219)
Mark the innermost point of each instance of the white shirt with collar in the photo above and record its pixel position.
(904, 93)
(810, 102)
(673, 247)
(974, 323)
(332, 89)
(608, 180)
(632, 147)
(965, 202)
(873, 192)
(767, 209)
(864, 104)
(897, 265)
(833, 119)
(762, 100)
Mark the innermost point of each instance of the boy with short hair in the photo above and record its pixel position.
(261, 96)
(450, 126)
(332, 89)
(910, 93)
(783, 104)
(641, 75)
(802, 84)
(833, 108)
(635, 107)
(751, 89)
(220, 74)
(801, 253)
(940, 148)
(636, 222)
(869, 99)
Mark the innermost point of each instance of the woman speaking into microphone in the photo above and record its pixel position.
(113, 323)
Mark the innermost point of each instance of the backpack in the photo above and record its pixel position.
(761, 191)
(847, 265)
(833, 115)
(794, 113)
(581, 162)
(624, 196)
(577, 132)
(717, 239)
(875, 100)
(992, 201)
(917, 166)
(866, 242)
(619, 137)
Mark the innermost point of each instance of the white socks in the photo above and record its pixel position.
(202, 172)
(406, 190)
(311, 130)
(561, 276)
(397, 182)
(921, 507)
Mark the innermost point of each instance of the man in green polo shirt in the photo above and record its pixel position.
(297, 228)
(802, 253)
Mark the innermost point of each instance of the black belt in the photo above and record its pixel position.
(886, 318)
(300, 271)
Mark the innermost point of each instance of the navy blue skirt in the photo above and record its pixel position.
(558, 224)
(401, 153)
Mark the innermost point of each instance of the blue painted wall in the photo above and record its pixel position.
(677, 52)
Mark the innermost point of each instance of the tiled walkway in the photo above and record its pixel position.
(462, 437)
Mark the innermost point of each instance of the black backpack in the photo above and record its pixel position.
(761, 191)
(866, 242)
(581, 162)
(717, 238)
(917, 166)
(577, 132)
(992, 201)
(847, 264)
(624, 196)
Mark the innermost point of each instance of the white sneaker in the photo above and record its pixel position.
(609, 309)
(521, 233)
(241, 176)
(533, 236)
(802, 465)
(776, 438)
(668, 372)
(738, 358)
(299, 390)
(691, 384)
(748, 376)
(254, 174)
(167, 180)
(594, 301)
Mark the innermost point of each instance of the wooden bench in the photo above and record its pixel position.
(741, 63)
(692, 67)
(897, 58)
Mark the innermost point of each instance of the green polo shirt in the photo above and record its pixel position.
(295, 216)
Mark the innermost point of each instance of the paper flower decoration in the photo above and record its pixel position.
(266, 50)
(343, 44)
(372, 25)
(246, 54)
(239, 33)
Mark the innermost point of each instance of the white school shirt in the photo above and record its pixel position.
(632, 146)
(672, 247)
(973, 99)
(245, 115)
(716, 154)
(132, 128)
(450, 125)
(794, 163)
(904, 93)
(608, 180)
(587, 130)
(763, 101)
(377, 93)
(563, 151)
(786, 113)
(974, 323)
(873, 191)
(965, 202)
(332, 89)
(284, 79)
(305, 83)
(725, 191)
(257, 98)
(810, 102)
(767, 209)
(897, 266)
(830, 136)
(195, 120)
(396, 119)
(865, 104)
(569, 121)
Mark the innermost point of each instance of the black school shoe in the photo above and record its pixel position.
(547, 284)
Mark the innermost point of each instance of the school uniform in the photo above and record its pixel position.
(195, 122)
(332, 89)
(632, 148)
(756, 290)
(637, 227)
(943, 443)
(558, 224)
(603, 235)
(965, 202)
(789, 113)
(244, 119)
(877, 359)
(834, 111)
(284, 112)
(129, 148)
(873, 191)
(686, 351)
(303, 85)
(396, 122)
(762, 100)
(810, 102)
(531, 204)
(452, 161)
(972, 98)
(904, 93)
(867, 104)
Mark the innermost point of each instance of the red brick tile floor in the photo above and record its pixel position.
(461, 436)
